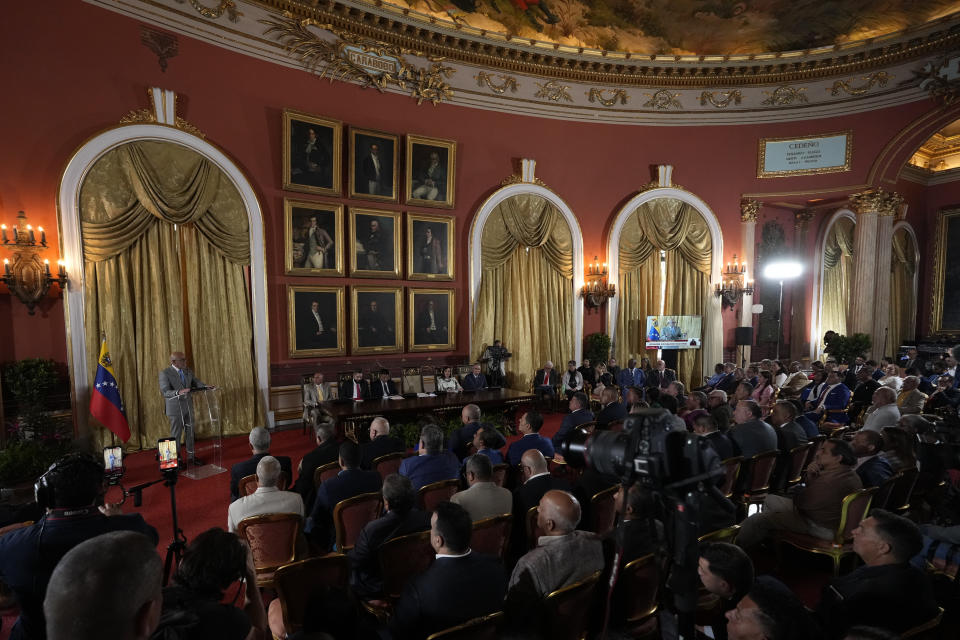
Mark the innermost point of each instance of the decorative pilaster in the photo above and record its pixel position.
(886, 214)
(800, 316)
(749, 209)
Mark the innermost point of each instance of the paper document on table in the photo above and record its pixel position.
(426, 395)
(395, 397)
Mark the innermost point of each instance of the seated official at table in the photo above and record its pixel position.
(474, 381)
(384, 387)
(448, 383)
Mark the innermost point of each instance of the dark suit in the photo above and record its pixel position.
(570, 422)
(309, 334)
(540, 379)
(450, 592)
(610, 413)
(589, 375)
(862, 397)
(376, 389)
(719, 443)
(422, 328)
(527, 442)
(327, 452)
(249, 468)
(809, 427)
(753, 437)
(875, 471)
(347, 484)
(723, 416)
(348, 391)
(365, 576)
(474, 382)
(525, 497)
(427, 469)
(462, 438)
(179, 408)
(379, 446)
(662, 379)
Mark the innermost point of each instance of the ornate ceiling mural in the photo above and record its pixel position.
(684, 27)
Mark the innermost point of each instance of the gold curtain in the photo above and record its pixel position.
(837, 277)
(526, 288)
(129, 203)
(675, 227)
(903, 302)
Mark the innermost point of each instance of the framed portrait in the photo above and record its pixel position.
(431, 171)
(312, 149)
(945, 309)
(373, 165)
(313, 238)
(374, 243)
(316, 321)
(377, 320)
(431, 322)
(431, 243)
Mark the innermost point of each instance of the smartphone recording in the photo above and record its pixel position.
(167, 453)
(113, 460)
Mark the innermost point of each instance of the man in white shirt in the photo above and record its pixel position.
(884, 411)
(267, 498)
(484, 499)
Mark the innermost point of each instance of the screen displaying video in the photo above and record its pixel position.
(674, 332)
(112, 459)
(168, 453)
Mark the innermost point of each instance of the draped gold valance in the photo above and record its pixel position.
(903, 296)
(903, 252)
(839, 243)
(665, 224)
(837, 276)
(527, 220)
(125, 194)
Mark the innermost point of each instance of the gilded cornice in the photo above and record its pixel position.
(883, 203)
(749, 209)
(435, 38)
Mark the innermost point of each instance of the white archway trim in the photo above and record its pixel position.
(816, 320)
(713, 335)
(906, 226)
(71, 249)
(476, 236)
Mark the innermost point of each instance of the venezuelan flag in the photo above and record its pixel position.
(105, 402)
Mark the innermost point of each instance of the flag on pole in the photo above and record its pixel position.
(105, 402)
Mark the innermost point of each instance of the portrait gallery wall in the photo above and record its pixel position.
(369, 243)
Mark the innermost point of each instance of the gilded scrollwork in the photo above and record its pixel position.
(553, 91)
(782, 96)
(876, 79)
(721, 99)
(662, 99)
(139, 116)
(597, 95)
(940, 80)
(224, 6)
(749, 209)
(506, 82)
(516, 178)
(883, 203)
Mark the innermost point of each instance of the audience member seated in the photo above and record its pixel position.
(886, 592)
(68, 493)
(751, 435)
(315, 392)
(640, 531)
(770, 611)
(579, 414)
(872, 467)
(324, 453)
(488, 441)
(706, 427)
(474, 381)
(268, 498)
(462, 438)
(809, 426)
(764, 391)
(730, 380)
(588, 373)
(381, 443)
(726, 572)
(910, 400)
(789, 435)
(630, 376)
(106, 587)
(812, 391)
(545, 381)
(891, 378)
(572, 380)
(677, 390)
(613, 369)
(350, 482)
(883, 412)
(536, 480)
(260, 445)
(752, 375)
(720, 409)
(742, 392)
(611, 409)
(945, 395)
(796, 382)
(562, 557)
(898, 449)
(193, 606)
(460, 585)
(660, 377)
(604, 381)
(433, 464)
(484, 499)
(529, 427)
(833, 397)
(814, 509)
(384, 387)
(401, 517)
(863, 392)
(694, 408)
(356, 389)
(633, 398)
(448, 383)
(710, 383)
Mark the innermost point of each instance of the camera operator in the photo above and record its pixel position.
(495, 356)
(68, 493)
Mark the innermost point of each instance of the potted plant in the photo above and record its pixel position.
(597, 348)
(846, 349)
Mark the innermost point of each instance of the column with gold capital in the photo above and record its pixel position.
(749, 209)
(887, 211)
(800, 317)
(860, 315)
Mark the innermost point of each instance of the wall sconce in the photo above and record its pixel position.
(28, 277)
(596, 290)
(735, 284)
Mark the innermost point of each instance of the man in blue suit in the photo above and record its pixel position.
(579, 414)
(433, 464)
(474, 381)
(834, 399)
(530, 424)
(630, 376)
(350, 482)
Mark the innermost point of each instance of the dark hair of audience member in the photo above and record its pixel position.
(77, 481)
(653, 395)
(731, 563)
(455, 525)
(901, 534)
(900, 443)
(212, 562)
(843, 449)
(781, 614)
(535, 420)
(668, 402)
(350, 454)
(398, 491)
(489, 437)
(480, 466)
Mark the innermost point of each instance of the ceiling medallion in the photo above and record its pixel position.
(878, 78)
(663, 99)
(370, 62)
(554, 91)
(485, 79)
(596, 95)
(721, 99)
(785, 95)
(224, 6)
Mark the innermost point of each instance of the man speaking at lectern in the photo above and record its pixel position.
(176, 382)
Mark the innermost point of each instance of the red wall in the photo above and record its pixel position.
(89, 69)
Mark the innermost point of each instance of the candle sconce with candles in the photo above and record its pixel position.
(28, 277)
(596, 288)
(734, 283)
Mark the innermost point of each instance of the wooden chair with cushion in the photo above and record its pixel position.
(491, 535)
(387, 464)
(500, 474)
(411, 380)
(403, 558)
(854, 509)
(732, 467)
(273, 541)
(926, 630)
(249, 484)
(727, 534)
(325, 472)
(483, 628)
(436, 492)
(796, 460)
(428, 378)
(899, 499)
(350, 516)
(603, 511)
(462, 370)
(637, 596)
(566, 611)
(298, 584)
(882, 495)
(756, 485)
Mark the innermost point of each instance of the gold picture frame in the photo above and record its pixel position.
(945, 320)
(806, 146)
(376, 328)
(302, 341)
(369, 179)
(436, 333)
(312, 168)
(428, 184)
(431, 247)
(312, 248)
(371, 254)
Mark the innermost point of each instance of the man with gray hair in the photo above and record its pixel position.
(484, 499)
(545, 381)
(106, 587)
(719, 408)
(176, 383)
(883, 412)
(911, 399)
(268, 498)
(381, 443)
(433, 464)
(325, 452)
(260, 445)
(462, 438)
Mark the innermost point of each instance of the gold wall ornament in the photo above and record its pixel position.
(878, 78)
(485, 79)
(149, 116)
(224, 6)
(663, 99)
(553, 91)
(941, 80)
(516, 178)
(785, 95)
(749, 209)
(163, 45)
(802, 218)
(139, 116)
(369, 62)
(596, 95)
(877, 201)
(892, 205)
(721, 99)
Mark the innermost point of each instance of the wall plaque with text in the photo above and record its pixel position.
(809, 155)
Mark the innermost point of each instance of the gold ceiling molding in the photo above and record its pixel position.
(663, 99)
(352, 57)
(940, 79)
(597, 95)
(224, 6)
(884, 203)
(878, 78)
(455, 41)
(553, 91)
(782, 96)
(485, 79)
(721, 99)
(149, 116)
